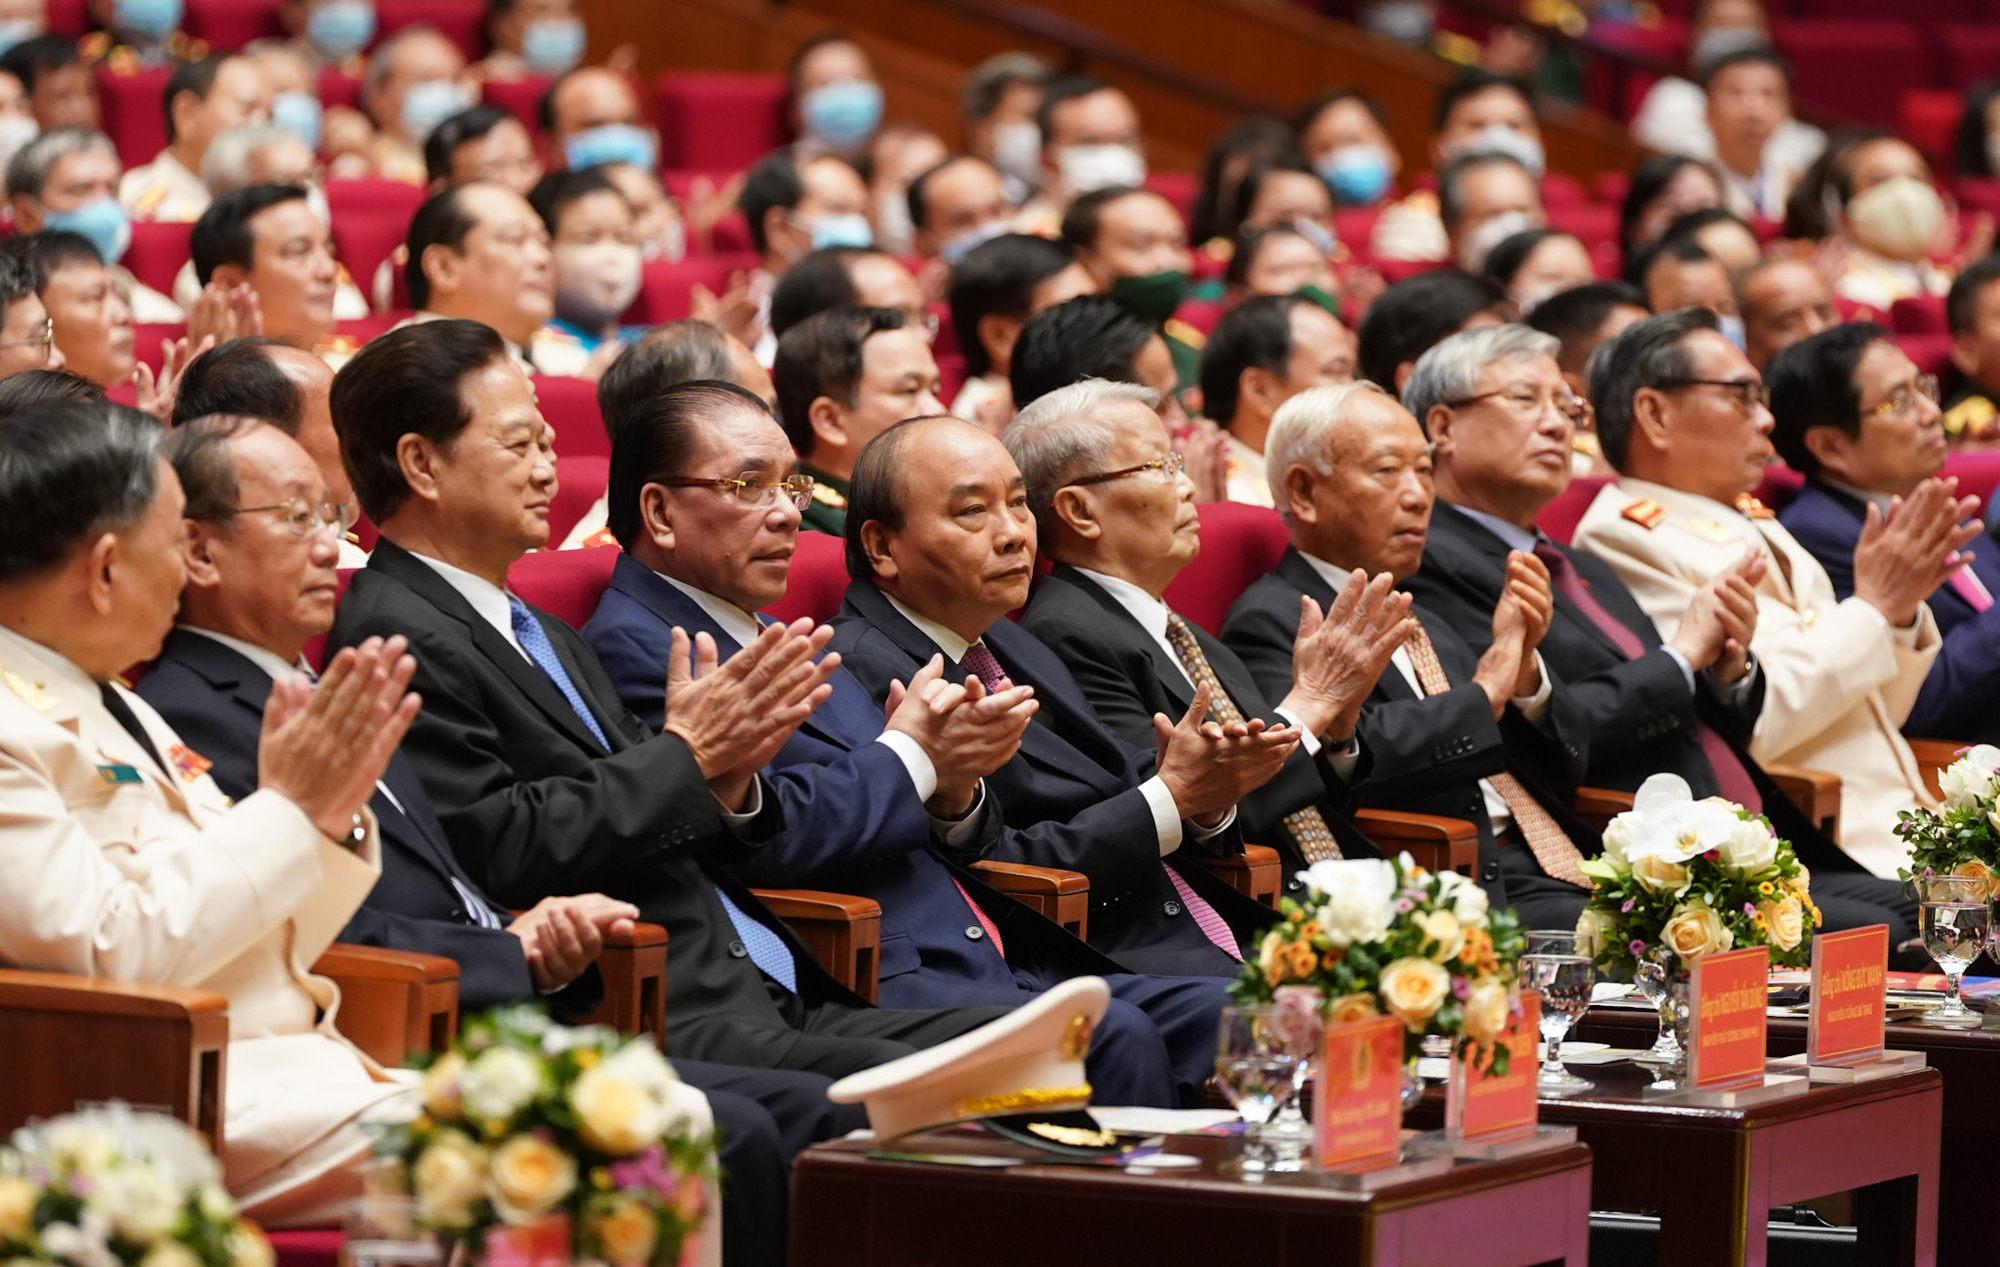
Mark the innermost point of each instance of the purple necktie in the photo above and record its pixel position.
(987, 669)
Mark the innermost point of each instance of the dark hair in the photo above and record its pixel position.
(241, 378)
(199, 452)
(1091, 336)
(1237, 271)
(1760, 56)
(197, 77)
(1472, 81)
(1679, 250)
(1506, 258)
(1416, 314)
(1969, 140)
(29, 60)
(1812, 385)
(52, 250)
(1648, 354)
(774, 182)
(1309, 113)
(467, 125)
(818, 283)
(1253, 180)
(822, 356)
(441, 221)
(553, 193)
(1254, 138)
(1574, 316)
(665, 356)
(223, 236)
(1961, 306)
(1687, 227)
(69, 471)
(653, 440)
(1451, 181)
(1649, 180)
(919, 207)
(1059, 91)
(1257, 332)
(401, 383)
(985, 84)
(998, 278)
(834, 35)
(873, 491)
(1806, 212)
(40, 387)
(1085, 217)
(17, 279)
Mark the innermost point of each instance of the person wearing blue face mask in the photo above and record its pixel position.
(592, 117)
(414, 81)
(329, 32)
(533, 37)
(1344, 134)
(203, 100)
(68, 179)
(794, 206)
(835, 101)
(145, 31)
(956, 206)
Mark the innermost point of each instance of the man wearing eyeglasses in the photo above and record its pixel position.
(27, 336)
(1855, 415)
(1684, 417)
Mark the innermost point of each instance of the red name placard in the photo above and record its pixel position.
(1478, 1104)
(1849, 996)
(1358, 1105)
(1726, 1001)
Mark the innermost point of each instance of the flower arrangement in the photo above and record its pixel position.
(1681, 878)
(525, 1121)
(1963, 837)
(110, 1187)
(1375, 936)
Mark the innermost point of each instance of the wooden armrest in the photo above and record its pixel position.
(66, 1040)
(634, 968)
(392, 1002)
(1063, 896)
(1599, 805)
(1934, 756)
(844, 933)
(1437, 844)
(1257, 873)
(1815, 792)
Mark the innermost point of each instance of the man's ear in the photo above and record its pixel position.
(829, 426)
(1830, 447)
(875, 544)
(1649, 419)
(656, 516)
(1260, 389)
(229, 275)
(443, 267)
(197, 538)
(417, 458)
(1437, 425)
(1072, 509)
(1297, 490)
(101, 562)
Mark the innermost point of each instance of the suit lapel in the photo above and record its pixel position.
(1167, 669)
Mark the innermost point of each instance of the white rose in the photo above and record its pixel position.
(168, 1253)
(441, 1087)
(640, 1062)
(1657, 875)
(1593, 932)
(1470, 904)
(1973, 777)
(137, 1204)
(448, 1178)
(1441, 927)
(499, 1083)
(1358, 898)
(1486, 1012)
(248, 1248)
(1413, 989)
(1750, 848)
(616, 1115)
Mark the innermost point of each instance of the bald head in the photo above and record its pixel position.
(592, 97)
(1782, 301)
(1350, 470)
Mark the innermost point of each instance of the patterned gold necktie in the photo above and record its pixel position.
(1551, 845)
(1307, 826)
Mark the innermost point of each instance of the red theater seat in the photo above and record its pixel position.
(157, 252)
(666, 290)
(580, 482)
(1239, 543)
(1977, 475)
(1930, 352)
(1923, 314)
(521, 98)
(1860, 67)
(372, 197)
(129, 110)
(570, 407)
(146, 340)
(1779, 486)
(1179, 188)
(337, 88)
(363, 242)
(68, 17)
(818, 579)
(564, 583)
(1971, 53)
(462, 22)
(1930, 121)
(719, 120)
(307, 1246)
(1560, 517)
(230, 24)
(1596, 226)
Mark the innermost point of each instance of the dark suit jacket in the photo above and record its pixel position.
(853, 824)
(1426, 754)
(534, 805)
(1956, 701)
(1071, 796)
(1128, 677)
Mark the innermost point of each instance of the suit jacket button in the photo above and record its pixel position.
(457, 914)
(737, 950)
(974, 932)
(1172, 908)
(1491, 871)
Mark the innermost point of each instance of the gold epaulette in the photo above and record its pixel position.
(1454, 47)
(1586, 443)
(1646, 513)
(1181, 332)
(94, 47)
(148, 202)
(1751, 508)
(602, 537)
(1969, 417)
(825, 495)
(337, 345)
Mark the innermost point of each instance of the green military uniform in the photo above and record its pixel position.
(827, 511)
(1970, 414)
(1184, 345)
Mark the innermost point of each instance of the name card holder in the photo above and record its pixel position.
(1358, 1110)
(1727, 997)
(1492, 1117)
(1848, 1011)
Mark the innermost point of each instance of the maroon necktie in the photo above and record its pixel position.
(1731, 779)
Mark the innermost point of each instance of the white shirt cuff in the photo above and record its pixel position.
(957, 831)
(918, 762)
(1534, 706)
(1343, 761)
(732, 818)
(1166, 815)
(1307, 739)
(1687, 670)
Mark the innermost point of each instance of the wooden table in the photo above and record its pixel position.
(1969, 1061)
(1713, 1174)
(849, 1210)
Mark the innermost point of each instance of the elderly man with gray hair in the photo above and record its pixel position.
(1482, 736)
(68, 179)
(1116, 514)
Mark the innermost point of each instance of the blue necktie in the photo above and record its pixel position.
(767, 950)
(535, 641)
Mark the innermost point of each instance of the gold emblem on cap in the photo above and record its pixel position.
(1074, 1136)
(1076, 1039)
(1021, 1101)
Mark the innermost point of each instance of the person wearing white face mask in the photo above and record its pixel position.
(997, 108)
(794, 205)
(597, 268)
(1484, 199)
(1090, 141)
(1891, 219)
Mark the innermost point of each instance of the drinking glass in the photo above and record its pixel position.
(383, 1231)
(1651, 978)
(1550, 941)
(1564, 982)
(1262, 1073)
(1955, 920)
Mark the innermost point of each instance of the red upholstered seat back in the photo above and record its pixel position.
(130, 112)
(460, 21)
(157, 252)
(580, 482)
(719, 120)
(569, 405)
(521, 98)
(1977, 475)
(666, 287)
(230, 24)
(818, 579)
(1239, 543)
(1780, 485)
(564, 583)
(1560, 517)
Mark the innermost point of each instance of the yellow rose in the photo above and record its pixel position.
(17, 1208)
(1441, 927)
(448, 1179)
(170, 1253)
(441, 1087)
(1351, 1007)
(248, 1248)
(614, 1114)
(1593, 932)
(1271, 958)
(626, 1230)
(527, 1176)
(1694, 931)
(1486, 1012)
(1978, 870)
(1413, 989)
(1657, 875)
(1784, 921)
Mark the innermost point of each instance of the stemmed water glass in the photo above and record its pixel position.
(1652, 980)
(1564, 981)
(1262, 1068)
(1955, 922)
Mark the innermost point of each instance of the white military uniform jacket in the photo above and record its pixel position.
(1839, 682)
(113, 868)
(164, 190)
